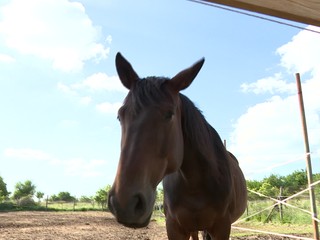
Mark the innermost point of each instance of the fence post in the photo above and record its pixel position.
(47, 202)
(280, 205)
(308, 160)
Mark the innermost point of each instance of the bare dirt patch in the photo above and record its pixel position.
(80, 225)
(71, 225)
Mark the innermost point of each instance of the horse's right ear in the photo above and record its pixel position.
(125, 71)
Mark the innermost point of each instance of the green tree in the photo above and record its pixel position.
(39, 195)
(316, 177)
(86, 199)
(296, 182)
(269, 190)
(275, 181)
(255, 186)
(3, 190)
(24, 190)
(158, 205)
(66, 196)
(101, 196)
(62, 196)
(54, 198)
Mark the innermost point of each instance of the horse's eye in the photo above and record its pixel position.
(168, 115)
(120, 113)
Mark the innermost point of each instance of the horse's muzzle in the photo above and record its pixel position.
(135, 213)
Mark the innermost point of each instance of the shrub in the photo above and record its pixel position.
(26, 202)
(5, 206)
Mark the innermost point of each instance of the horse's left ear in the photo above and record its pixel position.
(184, 78)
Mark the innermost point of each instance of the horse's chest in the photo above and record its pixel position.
(193, 211)
(197, 215)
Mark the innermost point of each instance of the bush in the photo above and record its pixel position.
(26, 202)
(7, 206)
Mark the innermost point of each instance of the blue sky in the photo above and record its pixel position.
(59, 91)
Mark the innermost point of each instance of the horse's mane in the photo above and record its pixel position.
(199, 133)
(195, 127)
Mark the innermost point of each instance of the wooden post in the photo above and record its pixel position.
(47, 202)
(280, 205)
(308, 160)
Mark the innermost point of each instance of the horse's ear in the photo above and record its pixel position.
(125, 71)
(184, 78)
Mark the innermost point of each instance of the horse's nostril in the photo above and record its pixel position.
(132, 213)
(111, 203)
(139, 204)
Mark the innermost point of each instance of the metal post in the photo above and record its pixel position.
(308, 160)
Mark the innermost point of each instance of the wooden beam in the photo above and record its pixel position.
(304, 11)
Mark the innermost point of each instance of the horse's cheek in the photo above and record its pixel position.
(175, 155)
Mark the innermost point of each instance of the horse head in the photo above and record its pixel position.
(152, 142)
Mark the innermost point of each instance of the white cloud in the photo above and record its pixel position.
(85, 100)
(56, 30)
(109, 39)
(68, 123)
(270, 133)
(273, 84)
(89, 86)
(101, 81)
(6, 58)
(64, 88)
(71, 167)
(80, 167)
(107, 107)
(267, 133)
(302, 53)
(26, 153)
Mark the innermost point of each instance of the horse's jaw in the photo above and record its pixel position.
(134, 224)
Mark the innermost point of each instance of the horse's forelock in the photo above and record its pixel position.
(149, 91)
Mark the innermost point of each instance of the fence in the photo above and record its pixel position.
(72, 205)
(279, 203)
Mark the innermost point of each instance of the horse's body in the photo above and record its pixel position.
(165, 137)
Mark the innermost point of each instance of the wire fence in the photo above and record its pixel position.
(278, 203)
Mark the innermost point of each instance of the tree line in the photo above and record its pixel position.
(25, 192)
(290, 184)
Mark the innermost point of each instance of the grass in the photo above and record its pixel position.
(56, 206)
(159, 217)
(289, 229)
(71, 206)
(267, 213)
(294, 221)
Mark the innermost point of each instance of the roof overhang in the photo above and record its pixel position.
(303, 11)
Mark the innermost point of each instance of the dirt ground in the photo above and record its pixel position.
(71, 225)
(77, 225)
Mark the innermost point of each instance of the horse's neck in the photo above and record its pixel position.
(197, 167)
(206, 167)
(205, 158)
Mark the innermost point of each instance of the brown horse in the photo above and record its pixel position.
(165, 137)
